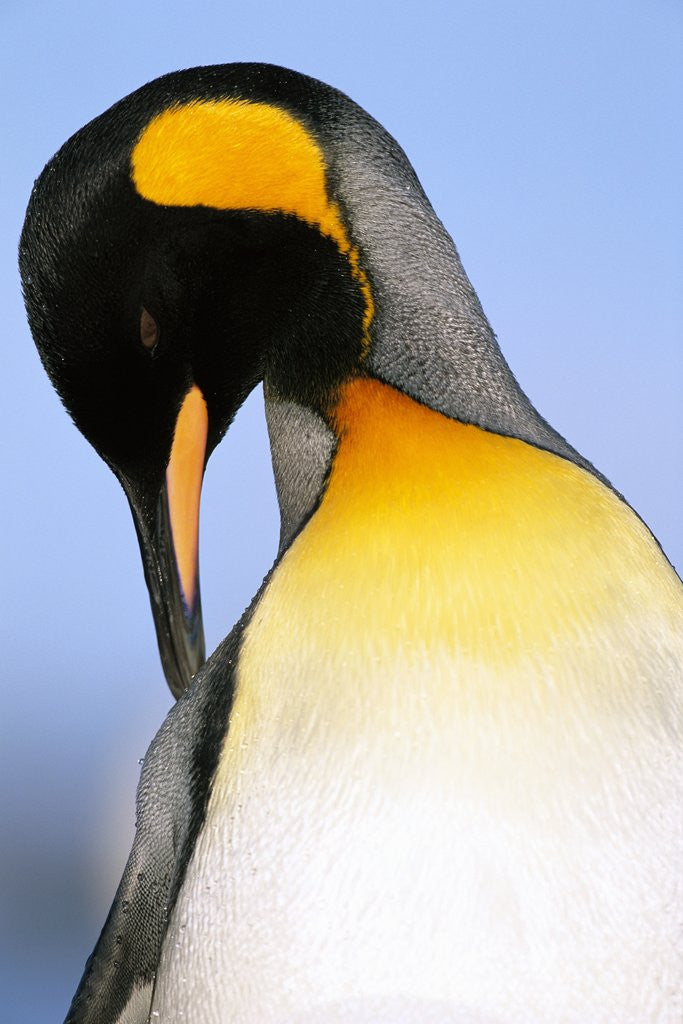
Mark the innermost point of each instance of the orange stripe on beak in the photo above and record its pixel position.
(184, 485)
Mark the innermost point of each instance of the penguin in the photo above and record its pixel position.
(434, 772)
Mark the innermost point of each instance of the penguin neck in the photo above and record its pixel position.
(429, 341)
(434, 533)
(302, 446)
(430, 338)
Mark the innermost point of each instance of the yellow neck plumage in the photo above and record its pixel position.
(437, 536)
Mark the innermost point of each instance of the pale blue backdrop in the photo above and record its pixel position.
(547, 136)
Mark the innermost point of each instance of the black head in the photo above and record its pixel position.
(176, 250)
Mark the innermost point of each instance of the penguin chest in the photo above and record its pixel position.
(450, 788)
(357, 862)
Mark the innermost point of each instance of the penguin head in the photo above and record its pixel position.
(177, 250)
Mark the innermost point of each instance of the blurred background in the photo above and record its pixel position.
(547, 136)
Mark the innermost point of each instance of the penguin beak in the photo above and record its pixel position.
(170, 548)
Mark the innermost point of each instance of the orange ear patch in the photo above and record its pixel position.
(237, 155)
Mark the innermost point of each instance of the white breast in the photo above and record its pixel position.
(455, 860)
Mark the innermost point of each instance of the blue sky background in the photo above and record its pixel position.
(547, 136)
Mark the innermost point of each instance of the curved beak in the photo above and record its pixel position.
(170, 549)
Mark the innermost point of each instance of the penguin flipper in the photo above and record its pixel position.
(118, 981)
(116, 987)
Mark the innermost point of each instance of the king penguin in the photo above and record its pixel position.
(434, 773)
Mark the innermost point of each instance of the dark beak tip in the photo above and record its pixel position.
(180, 632)
(181, 643)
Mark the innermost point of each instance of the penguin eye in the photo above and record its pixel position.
(149, 331)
